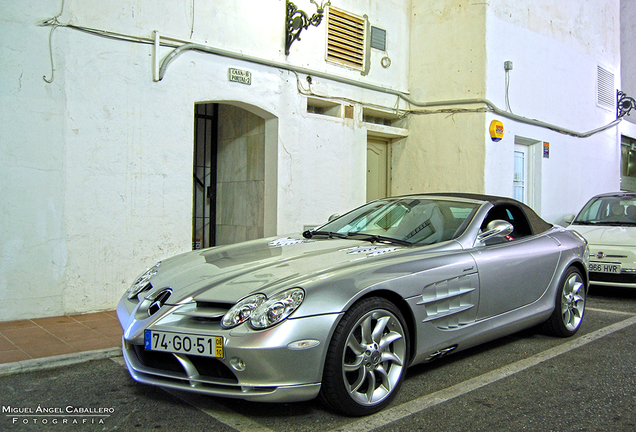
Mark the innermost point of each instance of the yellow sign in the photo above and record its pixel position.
(496, 130)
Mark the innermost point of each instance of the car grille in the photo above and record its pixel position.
(613, 277)
(208, 368)
(158, 360)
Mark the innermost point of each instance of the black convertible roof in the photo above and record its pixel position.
(537, 224)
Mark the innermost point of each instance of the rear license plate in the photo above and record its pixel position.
(605, 268)
(211, 346)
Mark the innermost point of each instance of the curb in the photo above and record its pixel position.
(57, 361)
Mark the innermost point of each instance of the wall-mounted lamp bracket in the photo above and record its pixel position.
(298, 20)
(624, 104)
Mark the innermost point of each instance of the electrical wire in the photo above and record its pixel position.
(192, 24)
(422, 107)
(54, 23)
(507, 97)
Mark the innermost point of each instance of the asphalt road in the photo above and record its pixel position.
(523, 382)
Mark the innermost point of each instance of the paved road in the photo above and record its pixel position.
(522, 382)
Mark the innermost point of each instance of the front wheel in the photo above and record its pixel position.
(367, 358)
(569, 306)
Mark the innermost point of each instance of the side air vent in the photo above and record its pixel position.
(450, 304)
(345, 38)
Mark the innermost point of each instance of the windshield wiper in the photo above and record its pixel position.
(375, 238)
(577, 222)
(309, 234)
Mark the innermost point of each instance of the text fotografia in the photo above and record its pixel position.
(57, 415)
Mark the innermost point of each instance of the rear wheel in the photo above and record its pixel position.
(367, 358)
(569, 306)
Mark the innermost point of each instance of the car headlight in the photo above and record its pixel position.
(241, 312)
(142, 281)
(263, 312)
(277, 308)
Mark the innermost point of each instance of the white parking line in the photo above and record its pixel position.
(219, 413)
(609, 311)
(242, 423)
(406, 409)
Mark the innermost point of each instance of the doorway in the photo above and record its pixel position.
(528, 156)
(228, 203)
(378, 169)
(521, 168)
(204, 175)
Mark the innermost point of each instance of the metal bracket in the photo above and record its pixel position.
(624, 104)
(298, 20)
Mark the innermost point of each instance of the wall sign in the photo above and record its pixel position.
(240, 76)
(546, 150)
(496, 130)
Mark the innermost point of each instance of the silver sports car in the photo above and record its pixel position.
(341, 311)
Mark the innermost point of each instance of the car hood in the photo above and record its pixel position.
(226, 274)
(607, 235)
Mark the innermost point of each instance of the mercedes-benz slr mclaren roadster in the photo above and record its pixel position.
(341, 311)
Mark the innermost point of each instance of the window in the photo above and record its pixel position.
(512, 214)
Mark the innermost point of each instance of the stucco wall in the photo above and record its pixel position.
(628, 51)
(96, 166)
(555, 49)
(444, 151)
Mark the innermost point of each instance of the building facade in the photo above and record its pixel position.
(136, 130)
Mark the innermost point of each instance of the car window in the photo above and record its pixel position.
(416, 220)
(610, 210)
(512, 214)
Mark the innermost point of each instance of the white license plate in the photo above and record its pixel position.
(211, 346)
(605, 268)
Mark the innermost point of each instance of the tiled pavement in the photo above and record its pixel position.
(27, 344)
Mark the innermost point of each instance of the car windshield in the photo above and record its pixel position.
(403, 220)
(608, 210)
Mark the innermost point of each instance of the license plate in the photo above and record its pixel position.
(211, 346)
(605, 268)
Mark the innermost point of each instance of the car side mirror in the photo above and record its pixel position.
(333, 216)
(569, 218)
(494, 229)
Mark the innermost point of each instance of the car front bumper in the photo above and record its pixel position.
(624, 279)
(265, 366)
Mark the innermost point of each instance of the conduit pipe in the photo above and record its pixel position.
(161, 67)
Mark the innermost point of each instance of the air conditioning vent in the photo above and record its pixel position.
(378, 38)
(345, 38)
(605, 92)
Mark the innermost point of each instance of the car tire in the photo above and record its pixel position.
(569, 305)
(367, 358)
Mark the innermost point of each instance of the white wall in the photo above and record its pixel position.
(96, 167)
(555, 48)
(628, 51)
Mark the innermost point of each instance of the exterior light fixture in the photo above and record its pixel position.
(624, 104)
(298, 20)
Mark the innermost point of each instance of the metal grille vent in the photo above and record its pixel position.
(605, 93)
(378, 38)
(345, 38)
